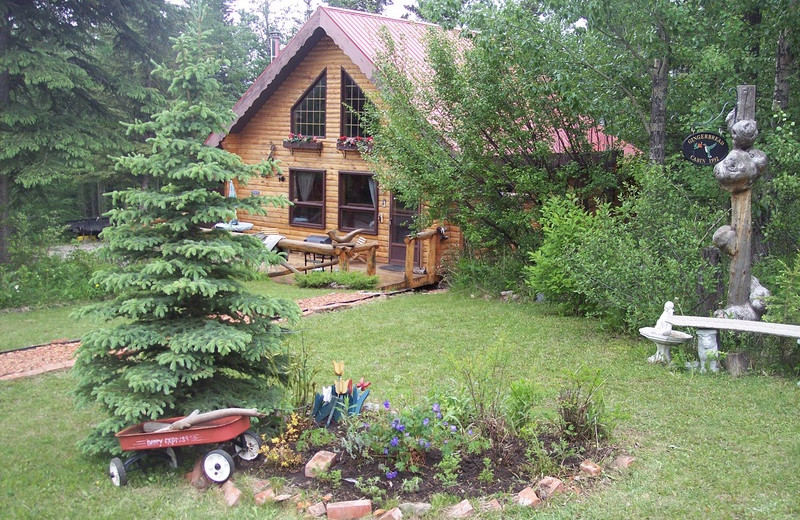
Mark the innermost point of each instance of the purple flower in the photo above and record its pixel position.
(436, 408)
(385, 451)
(408, 434)
(445, 423)
(425, 421)
(469, 432)
(453, 428)
(391, 474)
(397, 425)
(427, 445)
(445, 441)
(439, 415)
(386, 404)
(422, 442)
(395, 441)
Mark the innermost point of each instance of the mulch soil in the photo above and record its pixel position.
(60, 353)
(510, 465)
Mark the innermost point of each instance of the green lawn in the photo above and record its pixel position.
(706, 446)
(35, 327)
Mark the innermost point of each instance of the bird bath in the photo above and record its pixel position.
(664, 343)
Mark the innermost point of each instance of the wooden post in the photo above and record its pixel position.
(741, 216)
(344, 259)
(371, 260)
(411, 242)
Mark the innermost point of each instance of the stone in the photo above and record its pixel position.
(590, 468)
(528, 497)
(321, 461)
(491, 505)
(549, 486)
(461, 510)
(392, 514)
(327, 498)
(231, 493)
(349, 509)
(282, 498)
(378, 512)
(317, 509)
(259, 485)
(415, 508)
(623, 461)
(197, 477)
(262, 497)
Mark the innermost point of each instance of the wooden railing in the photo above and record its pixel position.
(430, 242)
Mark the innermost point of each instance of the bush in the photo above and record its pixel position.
(622, 263)
(487, 274)
(51, 279)
(784, 307)
(338, 279)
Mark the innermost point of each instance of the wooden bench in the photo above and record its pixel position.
(707, 336)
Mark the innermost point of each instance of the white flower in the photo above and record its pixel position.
(326, 394)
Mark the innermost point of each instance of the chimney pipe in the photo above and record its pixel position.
(274, 44)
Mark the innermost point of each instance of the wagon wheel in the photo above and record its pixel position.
(116, 470)
(218, 466)
(248, 445)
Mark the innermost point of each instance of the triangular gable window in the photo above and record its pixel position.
(308, 114)
(353, 105)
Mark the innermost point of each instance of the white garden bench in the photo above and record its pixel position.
(707, 332)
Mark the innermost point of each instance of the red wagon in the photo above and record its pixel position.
(218, 463)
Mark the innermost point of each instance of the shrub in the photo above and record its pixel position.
(338, 279)
(622, 263)
(51, 279)
(486, 274)
(581, 409)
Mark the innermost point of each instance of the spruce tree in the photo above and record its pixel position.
(191, 337)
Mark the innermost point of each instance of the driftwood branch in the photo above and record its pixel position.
(196, 418)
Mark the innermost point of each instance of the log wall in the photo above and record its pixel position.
(265, 132)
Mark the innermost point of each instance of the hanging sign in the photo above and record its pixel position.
(705, 148)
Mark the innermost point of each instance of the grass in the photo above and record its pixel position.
(706, 446)
(38, 326)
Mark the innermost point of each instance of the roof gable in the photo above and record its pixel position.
(358, 34)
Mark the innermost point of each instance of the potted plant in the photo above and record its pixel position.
(354, 144)
(302, 142)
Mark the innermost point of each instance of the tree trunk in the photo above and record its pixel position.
(5, 176)
(5, 226)
(658, 110)
(783, 65)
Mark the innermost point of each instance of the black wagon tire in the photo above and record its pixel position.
(248, 445)
(117, 472)
(218, 466)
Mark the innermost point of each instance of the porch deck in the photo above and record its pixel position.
(389, 280)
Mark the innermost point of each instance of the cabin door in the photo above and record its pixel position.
(399, 224)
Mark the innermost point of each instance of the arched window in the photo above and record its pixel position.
(308, 114)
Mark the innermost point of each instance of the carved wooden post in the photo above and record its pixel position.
(736, 174)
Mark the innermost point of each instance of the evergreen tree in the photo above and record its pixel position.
(58, 102)
(192, 337)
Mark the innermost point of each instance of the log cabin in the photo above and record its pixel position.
(316, 86)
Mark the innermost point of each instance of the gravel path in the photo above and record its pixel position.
(58, 355)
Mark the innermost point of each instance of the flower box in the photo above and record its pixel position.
(345, 147)
(303, 145)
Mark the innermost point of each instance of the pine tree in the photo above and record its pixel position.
(59, 102)
(193, 338)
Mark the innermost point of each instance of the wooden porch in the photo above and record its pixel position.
(345, 255)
